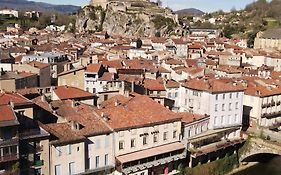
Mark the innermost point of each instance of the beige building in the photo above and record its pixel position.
(145, 132)
(11, 81)
(73, 77)
(269, 39)
(41, 69)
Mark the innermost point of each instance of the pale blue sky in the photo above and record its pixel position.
(205, 5)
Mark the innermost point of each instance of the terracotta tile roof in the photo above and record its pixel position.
(94, 68)
(91, 123)
(16, 98)
(195, 46)
(38, 64)
(107, 76)
(189, 117)
(213, 85)
(158, 40)
(254, 89)
(113, 64)
(174, 62)
(67, 92)
(7, 113)
(154, 85)
(63, 133)
(172, 84)
(28, 91)
(138, 64)
(130, 78)
(139, 111)
(163, 70)
(228, 69)
(179, 41)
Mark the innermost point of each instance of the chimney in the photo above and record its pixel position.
(2, 71)
(116, 103)
(12, 104)
(72, 103)
(258, 92)
(43, 98)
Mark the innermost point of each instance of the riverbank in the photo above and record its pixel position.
(242, 167)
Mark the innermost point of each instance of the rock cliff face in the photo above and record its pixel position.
(130, 20)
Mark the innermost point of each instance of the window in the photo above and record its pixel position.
(169, 95)
(174, 134)
(57, 170)
(68, 149)
(222, 119)
(176, 94)
(144, 140)
(230, 95)
(236, 105)
(236, 118)
(106, 160)
(216, 107)
(223, 96)
(71, 168)
(98, 144)
(229, 107)
(106, 141)
(77, 148)
(142, 174)
(237, 94)
(217, 97)
(222, 107)
(165, 134)
(58, 151)
(155, 138)
(133, 143)
(121, 145)
(97, 161)
(216, 120)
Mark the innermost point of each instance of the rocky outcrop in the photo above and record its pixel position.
(142, 20)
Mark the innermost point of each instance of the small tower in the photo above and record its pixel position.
(102, 3)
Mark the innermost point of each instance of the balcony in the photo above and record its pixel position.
(215, 147)
(9, 142)
(153, 157)
(9, 157)
(155, 163)
(38, 163)
(271, 115)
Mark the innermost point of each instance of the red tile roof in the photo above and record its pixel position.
(213, 85)
(154, 85)
(189, 117)
(7, 97)
(94, 68)
(6, 113)
(139, 111)
(67, 92)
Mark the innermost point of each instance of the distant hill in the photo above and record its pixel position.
(39, 6)
(190, 11)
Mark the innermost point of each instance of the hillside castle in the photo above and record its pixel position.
(104, 3)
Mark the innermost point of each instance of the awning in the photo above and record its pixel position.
(150, 152)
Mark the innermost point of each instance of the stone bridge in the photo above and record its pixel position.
(259, 149)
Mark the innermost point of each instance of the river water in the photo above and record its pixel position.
(273, 167)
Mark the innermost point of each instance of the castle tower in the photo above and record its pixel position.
(102, 3)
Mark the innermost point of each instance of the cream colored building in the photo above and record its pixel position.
(269, 39)
(73, 78)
